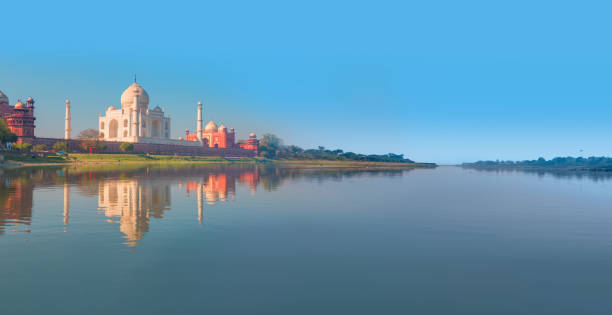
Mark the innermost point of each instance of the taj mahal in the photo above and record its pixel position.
(134, 121)
(148, 129)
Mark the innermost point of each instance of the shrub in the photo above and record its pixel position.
(97, 145)
(60, 146)
(23, 147)
(126, 147)
(40, 147)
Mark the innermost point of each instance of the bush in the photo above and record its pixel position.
(40, 147)
(60, 146)
(23, 147)
(6, 136)
(126, 147)
(97, 145)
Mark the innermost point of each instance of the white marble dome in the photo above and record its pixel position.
(4, 100)
(127, 98)
(211, 126)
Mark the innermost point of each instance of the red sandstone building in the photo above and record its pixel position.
(218, 137)
(19, 118)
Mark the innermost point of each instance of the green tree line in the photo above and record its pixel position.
(272, 147)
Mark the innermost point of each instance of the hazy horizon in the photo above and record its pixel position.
(440, 82)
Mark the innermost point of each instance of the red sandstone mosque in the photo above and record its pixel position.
(20, 117)
(135, 122)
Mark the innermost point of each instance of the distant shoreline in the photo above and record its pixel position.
(119, 159)
(539, 168)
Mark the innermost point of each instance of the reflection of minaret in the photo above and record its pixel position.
(66, 204)
(200, 197)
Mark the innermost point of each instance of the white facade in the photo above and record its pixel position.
(134, 121)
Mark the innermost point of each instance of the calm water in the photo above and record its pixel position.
(247, 240)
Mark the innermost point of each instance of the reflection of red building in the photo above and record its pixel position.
(20, 117)
(17, 207)
(251, 179)
(218, 187)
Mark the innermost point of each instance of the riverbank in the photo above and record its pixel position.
(85, 159)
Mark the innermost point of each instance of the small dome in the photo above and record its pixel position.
(4, 100)
(127, 98)
(222, 127)
(252, 135)
(211, 126)
(110, 108)
(67, 102)
(19, 104)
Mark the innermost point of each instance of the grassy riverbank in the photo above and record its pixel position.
(76, 158)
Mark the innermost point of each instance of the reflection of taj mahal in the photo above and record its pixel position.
(130, 203)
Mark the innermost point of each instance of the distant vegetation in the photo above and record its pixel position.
(272, 147)
(127, 147)
(6, 136)
(23, 147)
(568, 163)
(60, 146)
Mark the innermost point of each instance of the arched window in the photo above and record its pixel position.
(102, 135)
(125, 133)
(125, 123)
(102, 125)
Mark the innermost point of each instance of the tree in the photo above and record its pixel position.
(97, 145)
(270, 141)
(88, 134)
(24, 147)
(6, 136)
(40, 147)
(126, 147)
(60, 146)
(269, 145)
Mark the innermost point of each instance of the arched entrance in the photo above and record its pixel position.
(113, 129)
(156, 129)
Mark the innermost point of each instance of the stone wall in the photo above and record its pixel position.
(168, 149)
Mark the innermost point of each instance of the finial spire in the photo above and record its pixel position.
(134, 78)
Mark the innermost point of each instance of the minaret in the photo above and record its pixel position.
(68, 129)
(134, 119)
(199, 129)
(137, 120)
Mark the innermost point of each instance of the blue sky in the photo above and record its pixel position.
(440, 81)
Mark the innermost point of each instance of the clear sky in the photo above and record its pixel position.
(440, 81)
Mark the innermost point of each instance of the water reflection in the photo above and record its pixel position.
(16, 198)
(131, 203)
(131, 196)
(595, 176)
